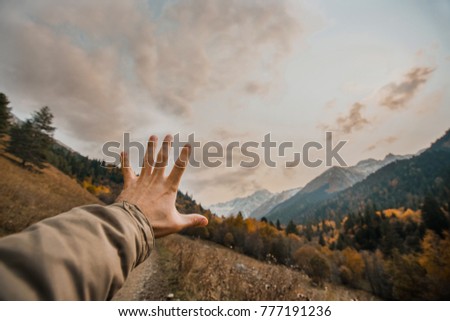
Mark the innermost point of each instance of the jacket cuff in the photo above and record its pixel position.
(147, 236)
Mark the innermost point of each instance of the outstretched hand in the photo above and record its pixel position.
(154, 193)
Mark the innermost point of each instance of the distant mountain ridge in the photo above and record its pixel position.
(276, 199)
(245, 205)
(340, 178)
(401, 183)
(333, 180)
(261, 203)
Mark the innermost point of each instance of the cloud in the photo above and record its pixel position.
(226, 184)
(382, 142)
(255, 88)
(226, 134)
(397, 95)
(209, 45)
(101, 65)
(46, 66)
(354, 120)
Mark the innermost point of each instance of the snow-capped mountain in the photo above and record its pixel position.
(276, 199)
(333, 180)
(245, 205)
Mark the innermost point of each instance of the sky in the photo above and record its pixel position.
(375, 73)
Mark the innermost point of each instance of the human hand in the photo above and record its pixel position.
(154, 193)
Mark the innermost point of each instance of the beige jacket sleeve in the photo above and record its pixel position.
(83, 254)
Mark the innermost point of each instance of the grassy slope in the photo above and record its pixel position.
(27, 196)
(201, 270)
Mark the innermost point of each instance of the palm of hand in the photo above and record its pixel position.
(154, 193)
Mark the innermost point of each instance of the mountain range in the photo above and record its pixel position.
(245, 205)
(401, 182)
(262, 202)
(333, 180)
(273, 201)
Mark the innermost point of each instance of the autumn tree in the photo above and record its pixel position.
(320, 269)
(376, 273)
(254, 246)
(435, 259)
(228, 240)
(353, 260)
(346, 275)
(408, 277)
(313, 264)
(279, 249)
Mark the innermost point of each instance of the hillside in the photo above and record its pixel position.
(403, 182)
(325, 185)
(28, 196)
(186, 269)
(103, 180)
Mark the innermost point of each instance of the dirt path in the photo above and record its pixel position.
(146, 282)
(184, 269)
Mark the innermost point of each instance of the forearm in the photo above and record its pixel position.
(83, 254)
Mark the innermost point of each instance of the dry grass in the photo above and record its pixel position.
(200, 270)
(27, 196)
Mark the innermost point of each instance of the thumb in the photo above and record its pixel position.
(192, 220)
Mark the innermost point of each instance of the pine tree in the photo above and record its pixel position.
(322, 240)
(24, 143)
(278, 225)
(42, 120)
(31, 141)
(341, 242)
(309, 232)
(433, 217)
(5, 114)
(291, 228)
